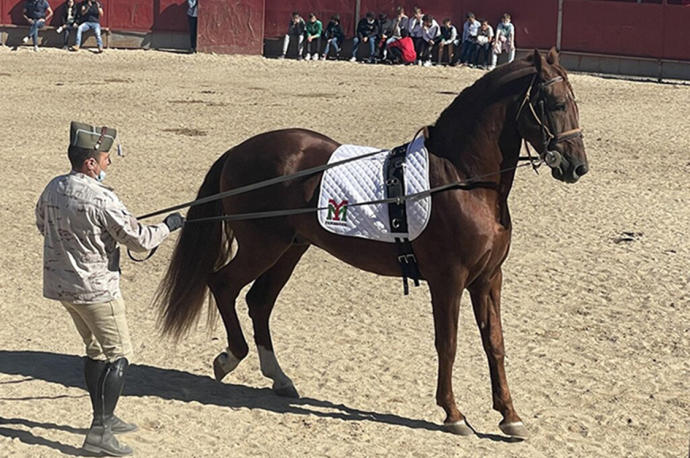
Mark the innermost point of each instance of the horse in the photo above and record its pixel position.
(463, 246)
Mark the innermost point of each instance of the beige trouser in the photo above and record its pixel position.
(103, 327)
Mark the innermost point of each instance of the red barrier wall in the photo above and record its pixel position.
(231, 26)
(597, 26)
(612, 27)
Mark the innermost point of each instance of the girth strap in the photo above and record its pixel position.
(397, 214)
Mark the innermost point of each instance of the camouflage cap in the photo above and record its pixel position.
(90, 137)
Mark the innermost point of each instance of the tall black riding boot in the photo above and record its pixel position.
(93, 369)
(100, 438)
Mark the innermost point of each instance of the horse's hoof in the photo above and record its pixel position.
(223, 364)
(514, 429)
(461, 428)
(287, 391)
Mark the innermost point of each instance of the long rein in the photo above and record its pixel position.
(467, 184)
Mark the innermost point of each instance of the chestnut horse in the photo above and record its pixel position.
(463, 247)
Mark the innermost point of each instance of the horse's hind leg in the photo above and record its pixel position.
(486, 301)
(261, 298)
(255, 256)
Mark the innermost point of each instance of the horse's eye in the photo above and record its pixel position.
(559, 107)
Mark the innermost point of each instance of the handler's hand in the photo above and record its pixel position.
(174, 221)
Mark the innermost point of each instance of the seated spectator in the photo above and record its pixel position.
(69, 22)
(469, 38)
(385, 30)
(401, 50)
(504, 42)
(367, 31)
(430, 34)
(400, 23)
(36, 13)
(447, 40)
(416, 29)
(334, 36)
(485, 37)
(295, 32)
(90, 13)
(313, 30)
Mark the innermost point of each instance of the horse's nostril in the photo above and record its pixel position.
(581, 170)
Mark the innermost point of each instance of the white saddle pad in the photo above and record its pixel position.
(363, 181)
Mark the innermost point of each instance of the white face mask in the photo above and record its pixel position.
(101, 176)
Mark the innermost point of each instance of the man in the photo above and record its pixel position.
(505, 40)
(430, 34)
(469, 38)
(313, 30)
(82, 222)
(367, 31)
(400, 23)
(192, 15)
(295, 31)
(90, 13)
(449, 35)
(335, 36)
(36, 13)
(415, 26)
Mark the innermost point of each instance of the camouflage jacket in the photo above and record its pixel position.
(82, 222)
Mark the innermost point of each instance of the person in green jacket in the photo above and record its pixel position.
(313, 31)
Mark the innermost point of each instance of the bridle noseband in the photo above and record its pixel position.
(550, 155)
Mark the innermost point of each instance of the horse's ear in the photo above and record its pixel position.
(537, 59)
(552, 57)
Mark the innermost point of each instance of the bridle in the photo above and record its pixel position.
(552, 157)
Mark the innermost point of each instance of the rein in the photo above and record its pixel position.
(465, 185)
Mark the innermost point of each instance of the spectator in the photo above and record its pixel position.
(447, 40)
(334, 36)
(505, 40)
(90, 13)
(192, 17)
(469, 38)
(36, 13)
(400, 23)
(69, 22)
(367, 31)
(295, 31)
(313, 31)
(401, 50)
(485, 37)
(416, 28)
(430, 34)
(385, 30)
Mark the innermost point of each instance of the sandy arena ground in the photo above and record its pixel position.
(595, 301)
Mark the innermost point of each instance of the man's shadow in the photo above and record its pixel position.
(145, 380)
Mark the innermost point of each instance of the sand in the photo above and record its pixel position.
(595, 297)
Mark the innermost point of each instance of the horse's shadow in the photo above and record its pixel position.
(145, 380)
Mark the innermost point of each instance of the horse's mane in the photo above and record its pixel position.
(493, 86)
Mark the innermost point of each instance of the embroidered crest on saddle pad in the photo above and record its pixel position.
(364, 181)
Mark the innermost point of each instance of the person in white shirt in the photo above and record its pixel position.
(485, 37)
(504, 42)
(447, 40)
(469, 38)
(416, 28)
(430, 36)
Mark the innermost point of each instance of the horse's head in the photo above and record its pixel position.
(549, 120)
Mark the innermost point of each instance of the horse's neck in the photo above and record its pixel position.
(480, 149)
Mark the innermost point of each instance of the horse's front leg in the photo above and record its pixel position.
(445, 298)
(486, 301)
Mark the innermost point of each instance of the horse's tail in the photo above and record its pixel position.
(201, 247)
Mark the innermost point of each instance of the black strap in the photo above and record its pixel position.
(151, 253)
(397, 214)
